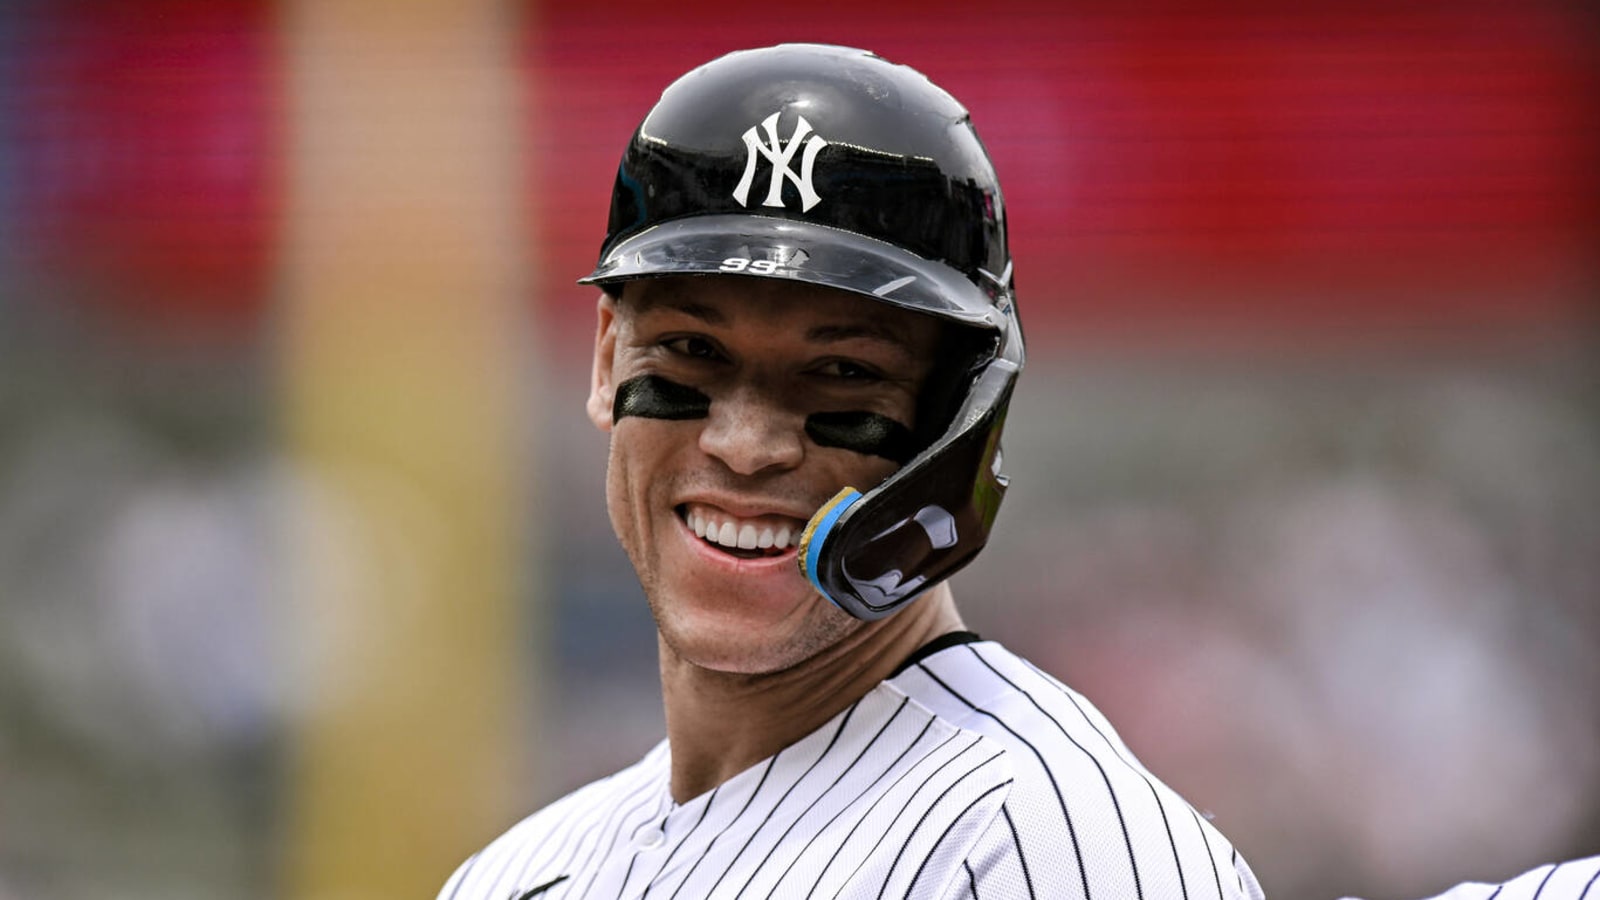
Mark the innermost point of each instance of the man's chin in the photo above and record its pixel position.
(749, 645)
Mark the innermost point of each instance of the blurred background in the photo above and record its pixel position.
(306, 588)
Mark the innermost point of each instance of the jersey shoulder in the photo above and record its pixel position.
(1084, 817)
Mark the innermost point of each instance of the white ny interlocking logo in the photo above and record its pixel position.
(780, 155)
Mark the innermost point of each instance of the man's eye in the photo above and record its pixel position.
(848, 369)
(696, 347)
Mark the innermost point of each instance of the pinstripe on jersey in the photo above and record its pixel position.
(970, 774)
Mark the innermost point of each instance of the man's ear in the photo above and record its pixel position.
(602, 388)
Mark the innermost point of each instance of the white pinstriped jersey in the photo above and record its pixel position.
(1577, 879)
(970, 774)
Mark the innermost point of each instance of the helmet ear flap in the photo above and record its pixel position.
(873, 553)
(959, 360)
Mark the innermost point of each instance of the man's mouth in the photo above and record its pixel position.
(753, 538)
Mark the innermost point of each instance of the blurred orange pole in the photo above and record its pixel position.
(400, 335)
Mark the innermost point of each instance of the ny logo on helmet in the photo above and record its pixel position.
(780, 155)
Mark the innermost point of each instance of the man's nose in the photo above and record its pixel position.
(750, 430)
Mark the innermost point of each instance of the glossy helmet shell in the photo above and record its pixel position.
(832, 166)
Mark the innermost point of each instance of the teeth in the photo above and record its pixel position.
(743, 535)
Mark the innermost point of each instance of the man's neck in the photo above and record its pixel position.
(720, 724)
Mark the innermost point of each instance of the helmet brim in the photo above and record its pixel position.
(771, 247)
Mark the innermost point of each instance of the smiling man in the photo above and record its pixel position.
(806, 346)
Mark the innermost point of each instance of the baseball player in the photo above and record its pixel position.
(806, 345)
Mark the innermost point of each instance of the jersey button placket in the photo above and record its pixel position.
(650, 837)
(653, 834)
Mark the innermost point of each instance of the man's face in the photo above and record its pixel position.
(767, 354)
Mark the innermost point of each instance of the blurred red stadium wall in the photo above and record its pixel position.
(1172, 156)
(142, 147)
(1226, 166)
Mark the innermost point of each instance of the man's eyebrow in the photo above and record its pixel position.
(823, 334)
(704, 312)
